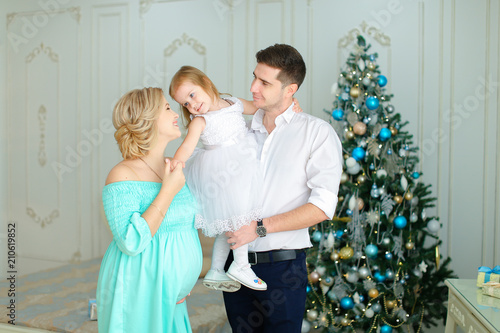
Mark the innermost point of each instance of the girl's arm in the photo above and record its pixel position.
(187, 147)
(248, 107)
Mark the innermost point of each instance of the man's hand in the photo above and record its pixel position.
(242, 236)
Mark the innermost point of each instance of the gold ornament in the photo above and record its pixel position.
(335, 256)
(312, 315)
(373, 293)
(355, 91)
(343, 178)
(370, 65)
(314, 277)
(393, 130)
(391, 304)
(361, 204)
(410, 245)
(437, 257)
(346, 253)
(359, 128)
(349, 135)
(341, 198)
(344, 321)
(398, 199)
(361, 178)
(408, 196)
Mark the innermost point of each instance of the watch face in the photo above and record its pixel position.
(261, 231)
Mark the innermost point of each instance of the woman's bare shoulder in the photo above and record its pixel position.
(123, 171)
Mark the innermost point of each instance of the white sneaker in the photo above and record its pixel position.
(217, 280)
(246, 277)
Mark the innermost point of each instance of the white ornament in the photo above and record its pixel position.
(433, 226)
(369, 313)
(404, 183)
(423, 267)
(361, 64)
(352, 202)
(330, 241)
(363, 272)
(381, 173)
(306, 326)
(350, 162)
(321, 270)
(334, 89)
(354, 170)
(355, 297)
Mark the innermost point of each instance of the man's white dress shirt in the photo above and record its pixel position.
(301, 161)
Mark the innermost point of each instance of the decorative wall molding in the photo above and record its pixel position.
(185, 39)
(42, 119)
(366, 29)
(42, 49)
(45, 220)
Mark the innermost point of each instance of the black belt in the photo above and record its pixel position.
(272, 256)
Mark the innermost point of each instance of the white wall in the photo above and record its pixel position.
(74, 59)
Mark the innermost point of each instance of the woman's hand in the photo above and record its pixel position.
(173, 179)
(184, 299)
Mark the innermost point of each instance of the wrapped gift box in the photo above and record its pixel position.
(492, 289)
(486, 274)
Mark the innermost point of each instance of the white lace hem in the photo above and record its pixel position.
(217, 227)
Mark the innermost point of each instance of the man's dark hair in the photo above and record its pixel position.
(287, 59)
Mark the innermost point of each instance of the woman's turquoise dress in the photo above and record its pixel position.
(142, 277)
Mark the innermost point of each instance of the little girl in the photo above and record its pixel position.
(224, 176)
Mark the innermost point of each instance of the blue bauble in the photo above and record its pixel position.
(308, 289)
(348, 212)
(358, 153)
(372, 103)
(381, 80)
(415, 175)
(388, 256)
(346, 303)
(339, 234)
(379, 276)
(400, 222)
(385, 134)
(338, 114)
(385, 329)
(316, 236)
(371, 250)
(372, 57)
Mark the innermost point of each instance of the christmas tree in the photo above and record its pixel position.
(375, 267)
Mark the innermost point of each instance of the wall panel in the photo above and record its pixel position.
(44, 157)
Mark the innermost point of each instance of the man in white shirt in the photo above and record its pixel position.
(301, 160)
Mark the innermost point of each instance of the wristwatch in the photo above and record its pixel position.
(261, 230)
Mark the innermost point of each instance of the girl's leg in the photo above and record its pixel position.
(220, 251)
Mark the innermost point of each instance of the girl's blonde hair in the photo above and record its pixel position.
(196, 77)
(135, 119)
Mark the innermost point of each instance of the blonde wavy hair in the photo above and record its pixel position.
(196, 77)
(135, 119)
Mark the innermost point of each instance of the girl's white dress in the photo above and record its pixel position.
(224, 175)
